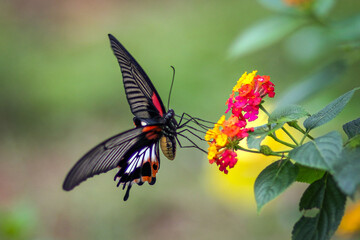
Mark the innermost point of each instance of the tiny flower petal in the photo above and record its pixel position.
(221, 140)
(212, 151)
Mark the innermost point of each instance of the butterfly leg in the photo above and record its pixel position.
(196, 119)
(190, 146)
(192, 133)
(189, 118)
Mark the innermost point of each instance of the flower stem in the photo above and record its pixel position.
(280, 152)
(297, 127)
(290, 136)
(248, 150)
(282, 142)
(254, 151)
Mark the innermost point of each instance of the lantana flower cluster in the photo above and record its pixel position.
(244, 103)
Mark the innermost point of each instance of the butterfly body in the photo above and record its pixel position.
(136, 151)
(167, 139)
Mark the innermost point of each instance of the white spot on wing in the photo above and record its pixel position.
(138, 158)
(153, 154)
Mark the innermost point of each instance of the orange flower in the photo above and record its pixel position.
(230, 126)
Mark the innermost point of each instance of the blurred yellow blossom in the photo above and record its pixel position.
(236, 189)
(350, 224)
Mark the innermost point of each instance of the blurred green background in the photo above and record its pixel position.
(61, 93)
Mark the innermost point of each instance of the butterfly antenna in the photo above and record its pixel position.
(172, 83)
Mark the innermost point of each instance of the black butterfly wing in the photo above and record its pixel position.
(118, 151)
(141, 166)
(141, 94)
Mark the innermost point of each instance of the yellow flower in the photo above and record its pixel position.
(209, 135)
(213, 133)
(221, 140)
(212, 151)
(221, 120)
(245, 79)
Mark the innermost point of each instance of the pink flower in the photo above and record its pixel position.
(228, 159)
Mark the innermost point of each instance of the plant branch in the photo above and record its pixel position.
(297, 127)
(282, 142)
(290, 136)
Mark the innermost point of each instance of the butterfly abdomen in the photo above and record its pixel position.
(168, 147)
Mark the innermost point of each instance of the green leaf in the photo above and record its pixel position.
(347, 29)
(353, 142)
(273, 180)
(352, 128)
(287, 114)
(308, 174)
(313, 84)
(308, 44)
(255, 138)
(322, 153)
(329, 112)
(322, 206)
(347, 172)
(322, 7)
(263, 34)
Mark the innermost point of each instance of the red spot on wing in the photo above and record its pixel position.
(154, 168)
(154, 128)
(157, 104)
(152, 132)
(146, 179)
(154, 164)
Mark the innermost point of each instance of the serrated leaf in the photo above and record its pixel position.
(273, 180)
(352, 128)
(323, 206)
(263, 34)
(312, 84)
(347, 172)
(287, 114)
(308, 174)
(329, 112)
(255, 138)
(322, 153)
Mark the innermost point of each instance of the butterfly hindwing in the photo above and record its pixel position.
(141, 94)
(116, 152)
(141, 166)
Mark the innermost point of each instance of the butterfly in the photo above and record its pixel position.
(136, 151)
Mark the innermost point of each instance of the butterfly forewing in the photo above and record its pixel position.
(142, 96)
